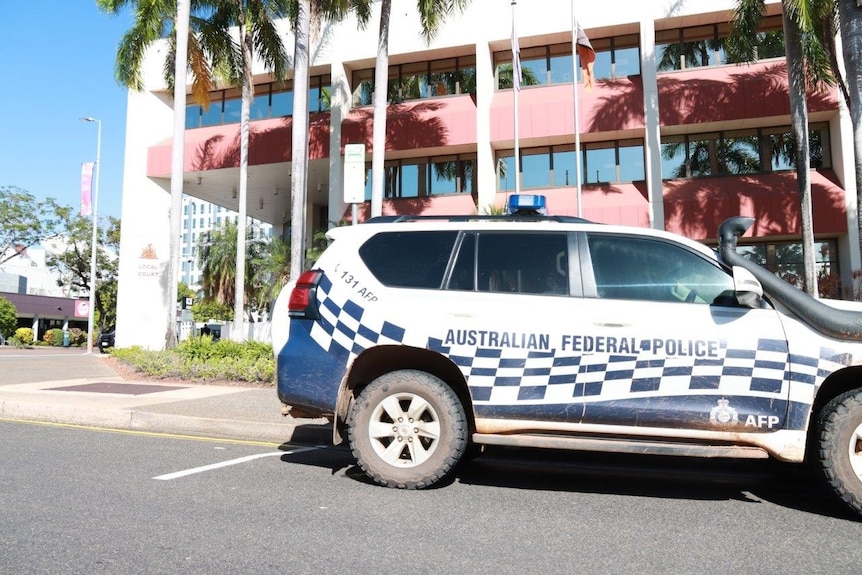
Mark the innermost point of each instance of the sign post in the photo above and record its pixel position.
(354, 177)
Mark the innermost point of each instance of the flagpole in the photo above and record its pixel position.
(516, 87)
(577, 111)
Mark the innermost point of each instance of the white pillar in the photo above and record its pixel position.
(339, 106)
(486, 173)
(652, 135)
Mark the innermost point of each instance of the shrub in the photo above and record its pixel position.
(77, 336)
(8, 317)
(53, 337)
(200, 359)
(24, 335)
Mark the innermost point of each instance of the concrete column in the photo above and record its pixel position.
(844, 166)
(340, 105)
(486, 172)
(652, 135)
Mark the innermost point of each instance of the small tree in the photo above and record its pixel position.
(8, 317)
(26, 221)
(209, 309)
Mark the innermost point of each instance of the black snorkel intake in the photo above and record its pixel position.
(827, 320)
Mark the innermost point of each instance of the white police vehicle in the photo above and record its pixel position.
(419, 336)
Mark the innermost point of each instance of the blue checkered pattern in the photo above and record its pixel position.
(506, 376)
(514, 376)
(344, 323)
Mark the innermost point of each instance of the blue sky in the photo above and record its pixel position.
(57, 63)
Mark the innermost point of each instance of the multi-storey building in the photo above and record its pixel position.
(672, 135)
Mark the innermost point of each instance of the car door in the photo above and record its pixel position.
(508, 304)
(666, 344)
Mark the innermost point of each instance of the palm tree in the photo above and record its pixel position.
(258, 37)
(305, 16)
(217, 256)
(432, 13)
(807, 67)
(270, 271)
(154, 20)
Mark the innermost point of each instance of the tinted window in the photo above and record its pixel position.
(464, 272)
(646, 269)
(534, 263)
(409, 259)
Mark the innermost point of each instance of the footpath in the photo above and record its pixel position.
(70, 386)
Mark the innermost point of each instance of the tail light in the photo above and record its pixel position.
(303, 298)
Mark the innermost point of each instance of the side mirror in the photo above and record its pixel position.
(747, 287)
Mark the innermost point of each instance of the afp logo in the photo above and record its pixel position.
(723, 414)
(761, 421)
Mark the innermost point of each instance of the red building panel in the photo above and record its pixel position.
(215, 147)
(696, 207)
(723, 93)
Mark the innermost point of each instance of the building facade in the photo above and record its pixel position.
(671, 135)
(37, 294)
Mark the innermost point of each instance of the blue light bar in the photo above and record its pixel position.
(527, 204)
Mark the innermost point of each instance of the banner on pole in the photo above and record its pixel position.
(587, 57)
(86, 188)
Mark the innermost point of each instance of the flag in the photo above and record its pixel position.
(587, 57)
(516, 59)
(86, 188)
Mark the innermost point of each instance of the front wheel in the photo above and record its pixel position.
(840, 446)
(407, 429)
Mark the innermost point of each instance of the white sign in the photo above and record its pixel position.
(354, 173)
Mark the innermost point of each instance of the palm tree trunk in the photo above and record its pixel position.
(851, 39)
(300, 140)
(242, 211)
(177, 165)
(381, 88)
(799, 122)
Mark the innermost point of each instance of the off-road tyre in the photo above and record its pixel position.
(407, 430)
(840, 446)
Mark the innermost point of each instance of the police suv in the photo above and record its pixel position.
(419, 336)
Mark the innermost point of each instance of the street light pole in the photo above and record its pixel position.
(92, 306)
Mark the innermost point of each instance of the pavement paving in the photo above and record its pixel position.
(70, 386)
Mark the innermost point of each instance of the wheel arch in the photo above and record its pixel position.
(837, 383)
(374, 362)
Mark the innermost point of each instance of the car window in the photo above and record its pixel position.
(409, 259)
(628, 267)
(526, 262)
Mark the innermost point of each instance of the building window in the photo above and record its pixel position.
(784, 259)
(418, 80)
(555, 167)
(709, 45)
(740, 152)
(270, 101)
(616, 57)
(422, 177)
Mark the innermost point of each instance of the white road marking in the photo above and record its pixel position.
(178, 474)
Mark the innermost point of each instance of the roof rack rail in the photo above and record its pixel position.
(474, 218)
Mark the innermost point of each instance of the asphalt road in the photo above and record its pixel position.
(86, 501)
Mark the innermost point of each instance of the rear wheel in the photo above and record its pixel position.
(841, 446)
(407, 429)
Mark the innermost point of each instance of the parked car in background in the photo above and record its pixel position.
(106, 341)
